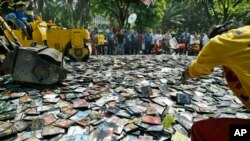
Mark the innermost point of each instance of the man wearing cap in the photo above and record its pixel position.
(22, 17)
(231, 50)
(20, 11)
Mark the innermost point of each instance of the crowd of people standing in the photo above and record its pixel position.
(128, 42)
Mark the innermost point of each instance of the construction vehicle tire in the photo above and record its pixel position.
(78, 54)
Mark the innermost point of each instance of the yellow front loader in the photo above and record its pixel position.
(36, 65)
(71, 42)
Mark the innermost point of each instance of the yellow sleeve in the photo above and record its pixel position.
(207, 59)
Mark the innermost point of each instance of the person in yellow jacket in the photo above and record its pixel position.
(231, 50)
(100, 43)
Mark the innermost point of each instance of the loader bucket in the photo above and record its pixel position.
(37, 65)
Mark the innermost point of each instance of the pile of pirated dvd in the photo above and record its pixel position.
(110, 98)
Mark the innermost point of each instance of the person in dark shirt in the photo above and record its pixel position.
(128, 42)
(148, 39)
(185, 37)
(8, 9)
(30, 11)
(120, 41)
(134, 43)
(110, 37)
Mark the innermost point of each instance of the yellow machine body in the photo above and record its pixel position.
(70, 41)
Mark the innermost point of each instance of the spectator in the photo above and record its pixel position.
(166, 37)
(100, 42)
(110, 38)
(148, 39)
(93, 37)
(152, 42)
(128, 42)
(185, 37)
(158, 40)
(120, 41)
(22, 17)
(182, 47)
(139, 39)
(174, 44)
(8, 10)
(205, 39)
(30, 11)
(134, 46)
(20, 12)
(194, 46)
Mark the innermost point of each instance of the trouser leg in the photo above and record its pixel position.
(102, 50)
(112, 49)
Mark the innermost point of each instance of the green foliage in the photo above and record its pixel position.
(121, 9)
(65, 12)
(174, 15)
(220, 11)
(117, 9)
(197, 15)
(151, 16)
(46, 5)
(193, 19)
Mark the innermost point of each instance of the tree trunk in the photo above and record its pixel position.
(207, 12)
(70, 2)
(121, 22)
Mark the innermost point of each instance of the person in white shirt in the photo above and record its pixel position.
(152, 42)
(174, 44)
(158, 40)
(194, 43)
(192, 40)
(165, 42)
(205, 39)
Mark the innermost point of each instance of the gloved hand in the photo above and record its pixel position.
(185, 76)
